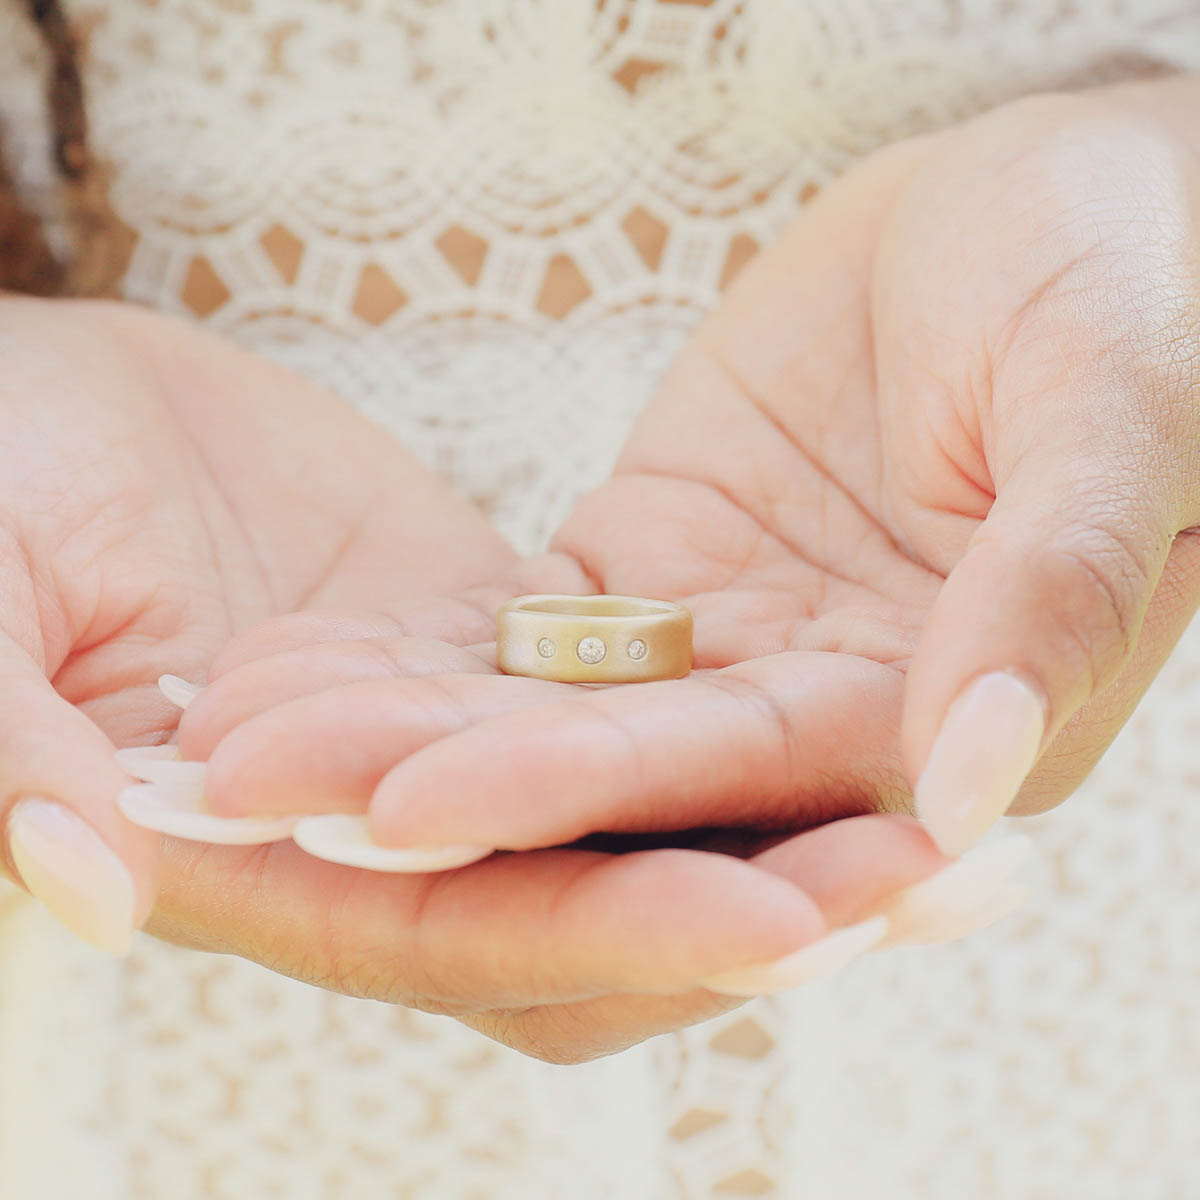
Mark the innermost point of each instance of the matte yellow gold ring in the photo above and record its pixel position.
(594, 639)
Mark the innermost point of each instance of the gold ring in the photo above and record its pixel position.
(594, 639)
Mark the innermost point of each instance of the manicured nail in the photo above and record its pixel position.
(957, 900)
(184, 814)
(133, 758)
(69, 867)
(1003, 904)
(177, 690)
(347, 840)
(815, 961)
(988, 743)
(172, 773)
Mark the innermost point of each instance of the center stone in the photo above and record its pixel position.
(591, 650)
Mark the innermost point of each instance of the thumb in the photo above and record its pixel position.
(62, 836)
(1043, 611)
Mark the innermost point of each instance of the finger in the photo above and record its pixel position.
(1040, 616)
(1070, 757)
(512, 931)
(897, 898)
(888, 865)
(63, 837)
(1064, 388)
(850, 865)
(855, 869)
(569, 1034)
(779, 742)
(327, 752)
(551, 927)
(264, 683)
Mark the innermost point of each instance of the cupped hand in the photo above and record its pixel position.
(927, 481)
(938, 435)
(161, 491)
(930, 470)
(918, 388)
(565, 953)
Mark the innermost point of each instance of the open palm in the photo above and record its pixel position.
(819, 462)
(162, 491)
(753, 489)
(915, 383)
(916, 441)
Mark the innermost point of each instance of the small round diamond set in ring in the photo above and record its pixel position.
(591, 650)
(594, 639)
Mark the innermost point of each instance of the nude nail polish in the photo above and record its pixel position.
(815, 961)
(1003, 904)
(69, 867)
(179, 691)
(970, 894)
(182, 813)
(987, 745)
(347, 840)
(132, 758)
(168, 772)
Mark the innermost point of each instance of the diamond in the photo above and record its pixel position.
(591, 650)
(636, 650)
(546, 648)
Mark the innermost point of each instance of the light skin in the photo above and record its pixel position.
(931, 486)
(144, 529)
(942, 432)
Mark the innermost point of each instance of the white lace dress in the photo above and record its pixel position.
(490, 224)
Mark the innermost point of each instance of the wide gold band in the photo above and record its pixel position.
(594, 639)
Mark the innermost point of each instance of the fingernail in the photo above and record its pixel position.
(183, 814)
(815, 961)
(136, 756)
(1003, 904)
(958, 899)
(347, 840)
(69, 867)
(988, 743)
(177, 690)
(169, 772)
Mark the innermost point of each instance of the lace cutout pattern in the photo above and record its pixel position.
(489, 224)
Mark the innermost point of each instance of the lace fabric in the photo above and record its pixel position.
(490, 225)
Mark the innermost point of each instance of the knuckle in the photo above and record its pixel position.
(1099, 582)
(877, 783)
(1057, 776)
(434, 963)
(411, 965)
(776, 721)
